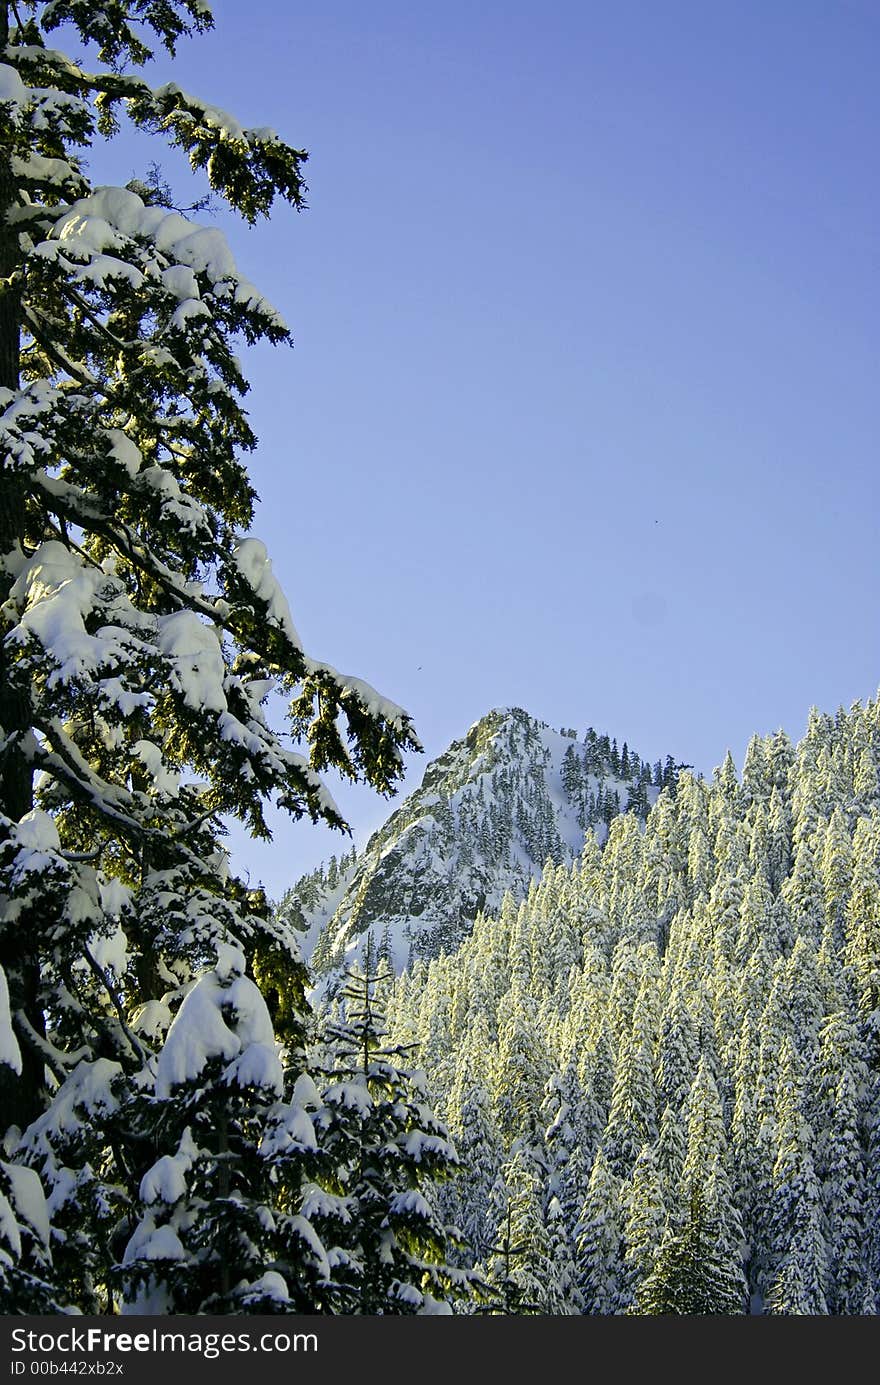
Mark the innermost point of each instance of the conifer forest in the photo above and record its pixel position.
(576, 1032)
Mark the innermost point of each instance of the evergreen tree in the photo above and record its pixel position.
(845, 1202)
(753, 1031)
(386, 1148)
(600, 1242)
(561, 1296)
(25, 1258)
(208, 1230)
(644, 1225)
(632, 1119)
(519, 1263)
(141, 627)
(691, 1276)
(798, 1284)
(465, 1198)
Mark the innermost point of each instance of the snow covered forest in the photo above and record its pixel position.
(661, 1069)
(652, 1085)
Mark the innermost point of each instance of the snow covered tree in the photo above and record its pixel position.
(466, 1196)
(691, 1275)
(645, 1222)
(798, 1285)
(24, 1220)
(513, 1287)
(599, 1262)
(845, 1202)
(142, 631)
(632, 1119)
(529, 1265)
(213, 1235)
(394, 1253)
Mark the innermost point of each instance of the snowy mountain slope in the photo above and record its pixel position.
(490, 811)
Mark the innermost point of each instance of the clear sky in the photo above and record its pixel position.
(583, 410)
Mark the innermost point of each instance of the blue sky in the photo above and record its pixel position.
(583, 411)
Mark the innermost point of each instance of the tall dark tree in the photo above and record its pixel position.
(141, 628)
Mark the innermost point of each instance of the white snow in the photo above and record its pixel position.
(54, 592)
(305, 1093)
(197, 668)
(253, 1023)
(418, 1143)
(12, 88)
(435, 1307)
(124, 451)
(253, 562)
(152, 1242)
(300, 1227)
(166, 1180)
(230, 959)
(352, 1095)
(198, 1034)
(181, 281)
(87, 1094)
(9, 1232)
(372, 701)
(115, 897)
(257, 1066)
(153, 1019)
(317, 1202)
(29, 1199)
(37, 832)
(10, 1053)
(43, 170)
(290, 1128)
(110, 951)
(111, 218)
(164, 781)
(269, 1285)
(230, 1022)
(411, 1202)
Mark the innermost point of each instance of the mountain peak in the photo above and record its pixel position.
(490, 811)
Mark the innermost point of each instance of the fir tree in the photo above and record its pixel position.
(141, 627)
(599, 1259)
(644, 1225)
(691, 1276)
(387, 1148)
(212, 1222)
(798, 1284)
(519, 1261)
(24, 1220)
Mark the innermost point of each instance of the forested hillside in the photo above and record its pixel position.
(662, 1069)
(491, 810)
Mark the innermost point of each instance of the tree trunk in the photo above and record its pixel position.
(20, 1098)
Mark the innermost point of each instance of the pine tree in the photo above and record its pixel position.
(141, 627)
(387, 1149)
(519, 1259)
(846, 1200)
(600, 1242)
(632, 1119)
(561, 1296)
(691, 1276)
(644, 1224)
(465, 1197)
(212, 1220)
(24, 1220)
(697, 1269)
(798, 1284)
